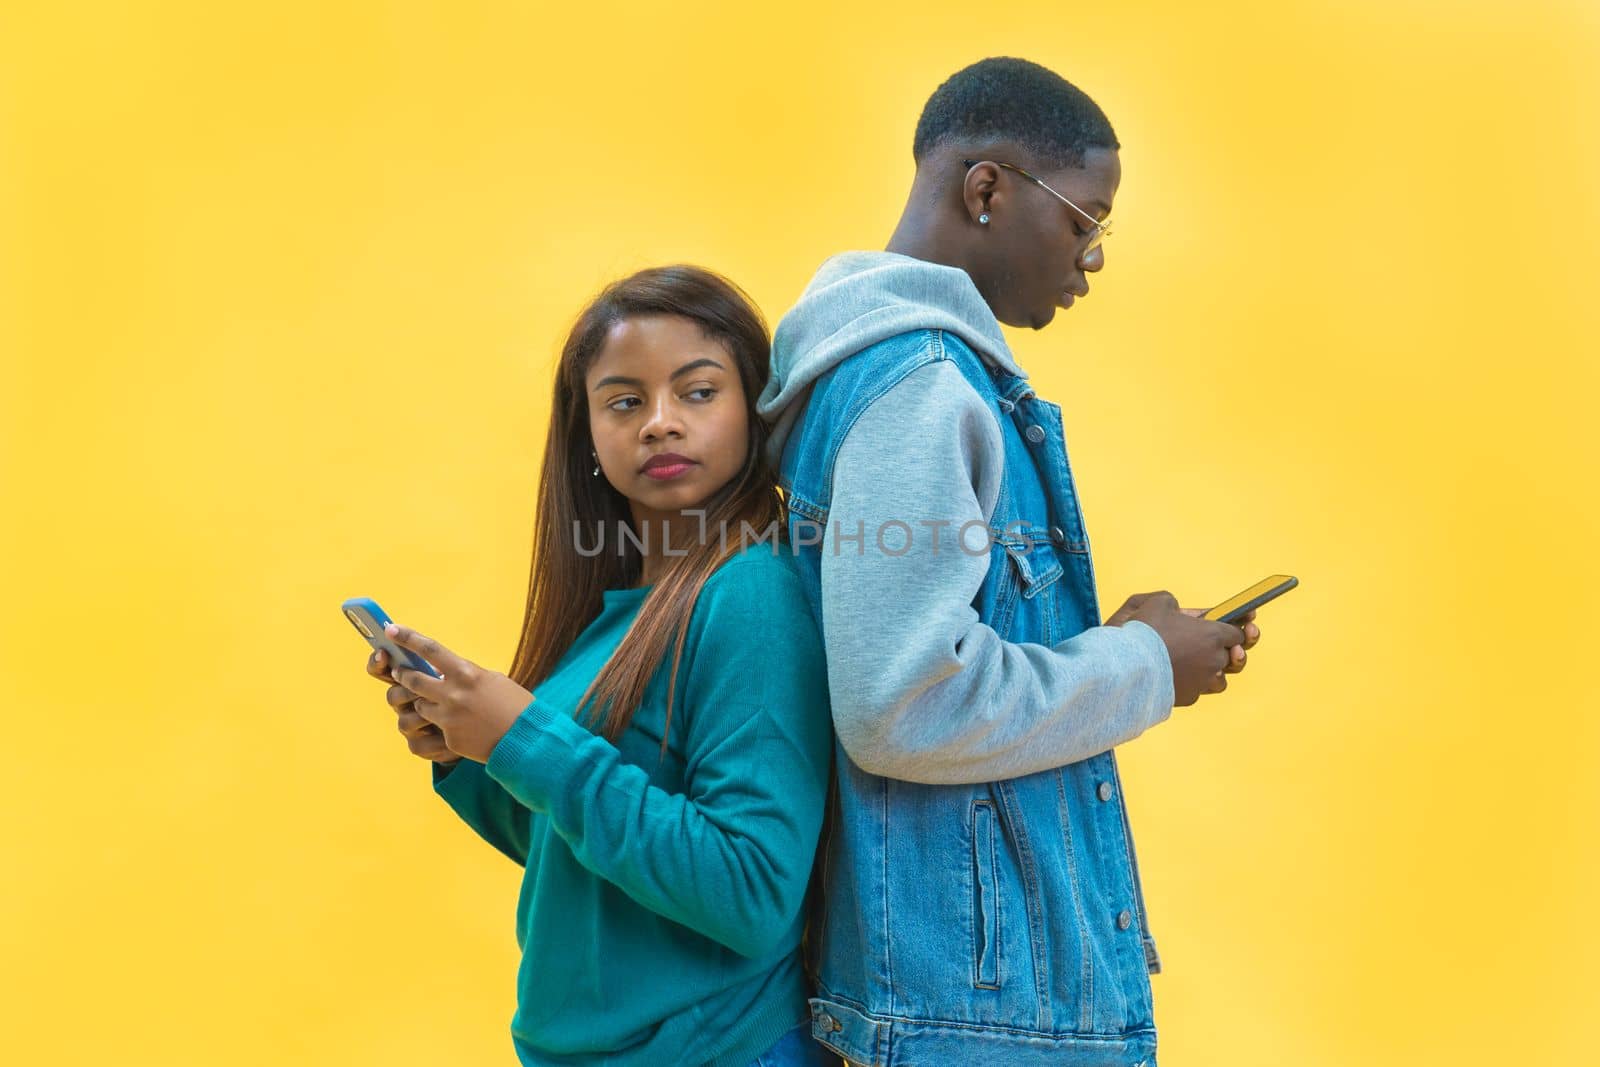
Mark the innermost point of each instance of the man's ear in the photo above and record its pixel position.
(980, 190)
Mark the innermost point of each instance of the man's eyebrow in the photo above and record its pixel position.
(619, 379)
(1102, 209)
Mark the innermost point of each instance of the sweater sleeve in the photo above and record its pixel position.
(924, 691)
(730, 857)
(485, 805)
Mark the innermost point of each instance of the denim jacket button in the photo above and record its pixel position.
(1035, 433)
(1105, 791)
(1125, 919)
(1058, 536)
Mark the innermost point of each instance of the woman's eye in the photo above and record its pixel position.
(615, 404)
(703, 389)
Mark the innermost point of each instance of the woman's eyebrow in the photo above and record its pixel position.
(619, 379)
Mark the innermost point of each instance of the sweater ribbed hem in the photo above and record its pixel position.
(765, 1027)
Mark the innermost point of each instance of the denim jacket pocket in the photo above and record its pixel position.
(1037, 569)
(985, 899)
(1036, 563)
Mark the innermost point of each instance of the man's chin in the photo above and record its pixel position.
(1033, 320)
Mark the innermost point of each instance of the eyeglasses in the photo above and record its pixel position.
(1099, 229)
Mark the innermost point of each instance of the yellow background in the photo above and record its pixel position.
(280, 291)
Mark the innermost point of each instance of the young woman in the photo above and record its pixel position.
(658, 756)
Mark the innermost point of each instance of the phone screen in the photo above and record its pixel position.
(1240, 604)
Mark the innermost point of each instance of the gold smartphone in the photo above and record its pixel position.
(1241, 604)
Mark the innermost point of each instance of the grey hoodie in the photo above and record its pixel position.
(922, 690)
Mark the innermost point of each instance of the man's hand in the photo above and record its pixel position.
(1202, 651)
(1236, 654)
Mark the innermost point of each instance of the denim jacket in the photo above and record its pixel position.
(961, 921)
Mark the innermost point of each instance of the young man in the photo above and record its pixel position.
(981, 900)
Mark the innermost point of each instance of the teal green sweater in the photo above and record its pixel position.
(660, 912)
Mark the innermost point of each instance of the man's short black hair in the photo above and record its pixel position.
(1005, 99)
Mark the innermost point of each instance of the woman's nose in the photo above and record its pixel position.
(664, 420)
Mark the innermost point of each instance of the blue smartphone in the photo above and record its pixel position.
(365, 615)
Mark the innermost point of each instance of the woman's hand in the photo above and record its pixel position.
(472, 706)
(423, 738)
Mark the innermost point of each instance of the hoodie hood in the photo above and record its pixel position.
(856, 300)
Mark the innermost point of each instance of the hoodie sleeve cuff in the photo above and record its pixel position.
(1160, 660)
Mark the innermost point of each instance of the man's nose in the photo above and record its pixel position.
(1094, 259)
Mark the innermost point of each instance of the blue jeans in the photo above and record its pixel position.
(796, 1049)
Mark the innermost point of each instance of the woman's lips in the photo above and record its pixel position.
(663, 472)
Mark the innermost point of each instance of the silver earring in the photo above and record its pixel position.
(984, 218)
(596, 456)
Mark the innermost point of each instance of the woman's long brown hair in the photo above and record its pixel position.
(564, 586)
